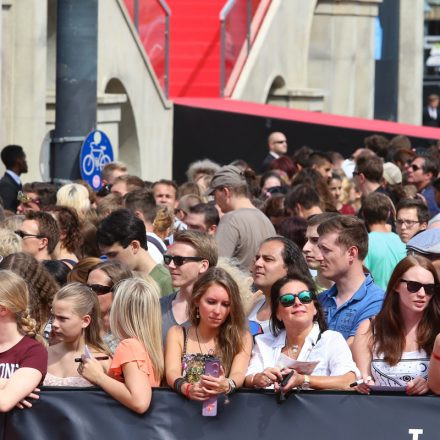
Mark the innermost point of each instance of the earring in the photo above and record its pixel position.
(197, 313)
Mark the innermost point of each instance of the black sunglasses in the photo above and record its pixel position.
(179, 260)
(99, 289)
(415, 286)
(415, 167)
(25, 234)
(288, 299)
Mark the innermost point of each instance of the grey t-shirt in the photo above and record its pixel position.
(168, 319)
(240, 233)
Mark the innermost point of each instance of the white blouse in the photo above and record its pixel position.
(329, 348)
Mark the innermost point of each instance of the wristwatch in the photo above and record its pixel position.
(306, 384)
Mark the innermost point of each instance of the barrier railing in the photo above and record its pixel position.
(152, 22)
(91, 414)
(240, 21)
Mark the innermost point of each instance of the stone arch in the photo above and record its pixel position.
(128, 141)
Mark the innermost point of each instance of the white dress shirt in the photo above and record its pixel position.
(328, 348)
(15, 176)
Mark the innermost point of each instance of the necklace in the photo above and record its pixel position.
(209, 351)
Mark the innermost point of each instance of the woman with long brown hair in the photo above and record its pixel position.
(219, 329)
(393, 349)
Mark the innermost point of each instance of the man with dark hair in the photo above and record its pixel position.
(142, 204)
(121, 236)
(303, 201)
(312, 252)
(277, 144)
(14, 160)
(385, 248)
(422, 171)
(203, 217)
(378, 144)
(191, 255)
(322, 163)
(165, 193)
(40, 234)
(412, 217)
(243, 227)
(368, 174)
(275, 258)
(36, 196)
(343, 242)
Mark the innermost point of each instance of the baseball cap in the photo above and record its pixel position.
(227, 176)
(392, 173)
(425, 242)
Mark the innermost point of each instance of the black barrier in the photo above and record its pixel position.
(92, 415)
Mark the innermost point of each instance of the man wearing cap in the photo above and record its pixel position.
(427, 244)
(277, 144)
(243, 227)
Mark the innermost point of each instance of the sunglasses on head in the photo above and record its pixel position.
(24, 198)
(178, 260)
(99, 289)
(288, 299)
(415, 286)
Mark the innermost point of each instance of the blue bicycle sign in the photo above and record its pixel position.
(96, 152)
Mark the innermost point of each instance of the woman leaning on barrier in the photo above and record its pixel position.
(23, 358)
(299, 344)
(218, 332)
(393, 349)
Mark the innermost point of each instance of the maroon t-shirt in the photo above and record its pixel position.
(26, 353)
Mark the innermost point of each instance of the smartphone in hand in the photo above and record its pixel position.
(212, 368)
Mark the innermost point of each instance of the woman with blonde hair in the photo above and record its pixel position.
(218, 328)
(22, 357)
(137, 366)
(76, 196)
(75, 324)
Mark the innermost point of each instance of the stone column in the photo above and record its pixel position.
(24, 78)
(411, 61)
(341, 57)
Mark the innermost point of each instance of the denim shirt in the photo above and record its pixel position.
(365, 303)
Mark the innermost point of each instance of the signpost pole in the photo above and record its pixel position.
(76, 70)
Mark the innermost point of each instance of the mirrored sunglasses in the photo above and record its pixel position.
(288, 299)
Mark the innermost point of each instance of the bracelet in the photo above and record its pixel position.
(436, 356)
(188, 388)
(178, 384)
(232, 386)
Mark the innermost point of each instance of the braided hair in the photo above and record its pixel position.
(14, 295)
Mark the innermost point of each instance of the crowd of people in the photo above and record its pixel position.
(313, 272)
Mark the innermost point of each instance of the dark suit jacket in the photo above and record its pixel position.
(8, 192)
(427, 120)
(266, 163)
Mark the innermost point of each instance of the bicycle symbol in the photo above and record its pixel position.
(97, 158)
